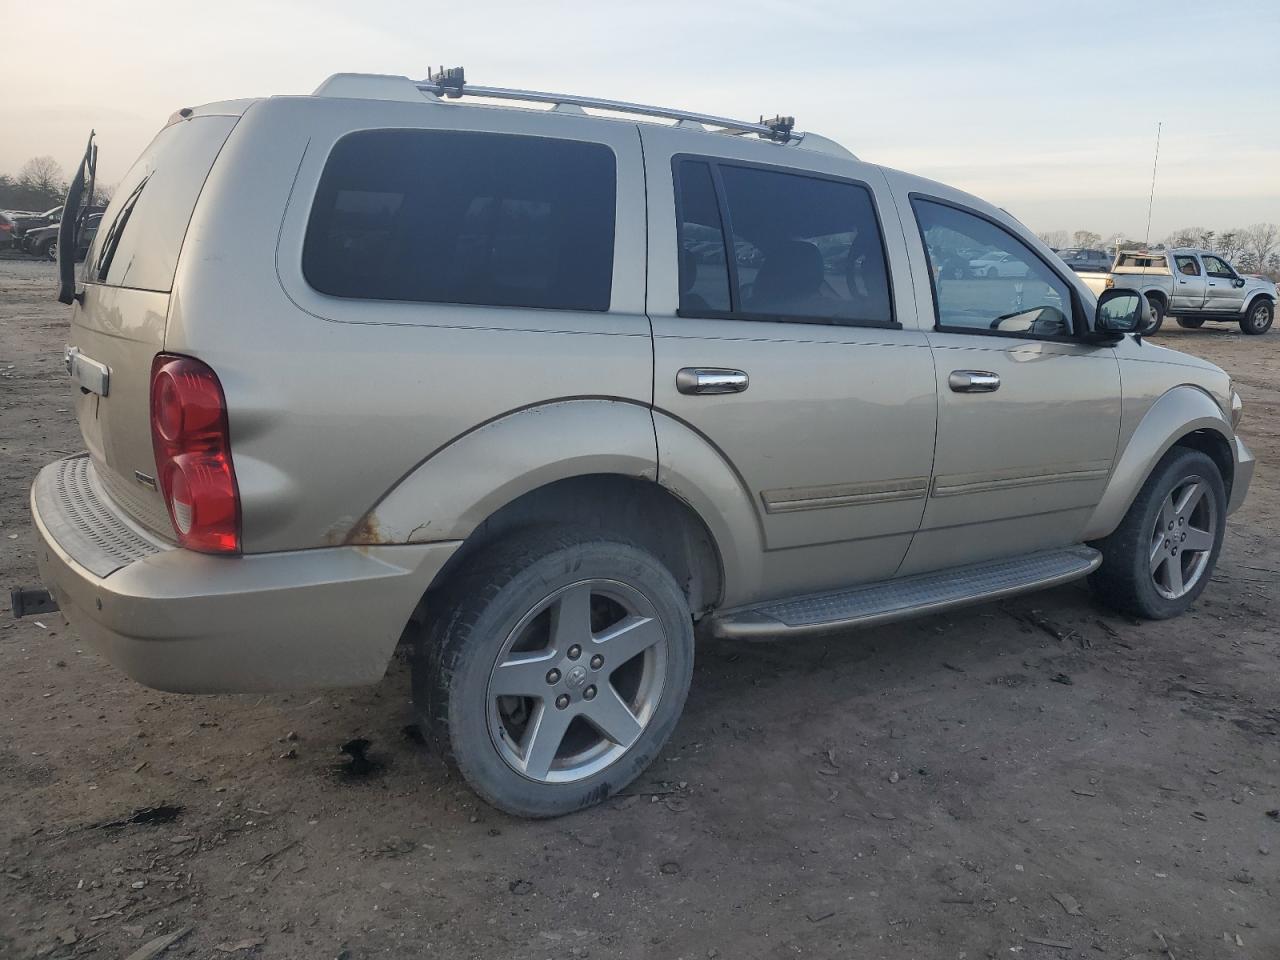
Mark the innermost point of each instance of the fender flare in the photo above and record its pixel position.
(458, 486)
(1183, 410)
(1254, 298)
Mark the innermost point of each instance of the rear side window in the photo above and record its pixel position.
(457, 217)
(804, 248)
(141, 233)
(1187, 266)
(1142, 260)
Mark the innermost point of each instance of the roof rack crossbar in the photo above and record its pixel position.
(451, 84)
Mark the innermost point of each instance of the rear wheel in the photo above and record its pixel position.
(1191, 323)
(1157, 317)
(555, 668)
(1258, 320)
(48, 250)
(1160, 558)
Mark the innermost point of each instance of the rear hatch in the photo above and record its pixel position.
(118, 326)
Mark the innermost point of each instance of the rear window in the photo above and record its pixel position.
(457, 217)
(142, 230)
(1141, 260)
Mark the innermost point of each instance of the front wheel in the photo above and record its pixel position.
(48, 250)
(1160, 558)
(1157, 317)
(1191, 323)
(1258, 319)
(555, 668)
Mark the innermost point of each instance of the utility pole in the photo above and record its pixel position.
(1152, 199)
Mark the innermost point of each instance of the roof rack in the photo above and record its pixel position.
(452, 83)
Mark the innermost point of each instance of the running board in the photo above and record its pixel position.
(906, 597)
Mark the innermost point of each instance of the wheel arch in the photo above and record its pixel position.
(1184, 416)
(1253, 300)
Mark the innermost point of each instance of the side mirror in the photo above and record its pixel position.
(1239, 281)
(1120, 312)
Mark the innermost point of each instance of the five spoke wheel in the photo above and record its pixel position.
(1183, 538)
(577, 681)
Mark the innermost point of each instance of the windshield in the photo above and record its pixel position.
(144, 226)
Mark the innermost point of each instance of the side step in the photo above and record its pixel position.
(906, 597)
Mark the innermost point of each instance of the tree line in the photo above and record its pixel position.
(40, 185)
(1252, 249)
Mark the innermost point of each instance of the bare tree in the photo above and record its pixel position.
(1086, 238)
(1259, 241)
(1189, 237)
(43, 175)
(1055, 238)
(1229, 244)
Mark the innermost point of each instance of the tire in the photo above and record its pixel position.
(1137, 572)
(1157, 317)
(1191, 323)
(497, 622)
(993, 272)
(48, 250)
(1259, 318)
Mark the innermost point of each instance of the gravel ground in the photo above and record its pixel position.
(1035, 778)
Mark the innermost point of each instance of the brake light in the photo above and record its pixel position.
(192, 444)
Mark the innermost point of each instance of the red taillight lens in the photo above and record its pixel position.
(192, 444)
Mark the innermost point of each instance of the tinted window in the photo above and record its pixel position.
(804, 248)
(1142, 260)
(704, 276)
(454, 217)
(1017, 293)
(148, 215)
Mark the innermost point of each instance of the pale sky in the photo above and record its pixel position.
(1048, 109)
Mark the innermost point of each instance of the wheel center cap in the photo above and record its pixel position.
(576, 677)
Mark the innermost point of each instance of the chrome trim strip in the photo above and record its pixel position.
(793, 499)
(958, 484)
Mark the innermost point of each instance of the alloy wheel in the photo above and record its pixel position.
(577, 681)
(1182, 541)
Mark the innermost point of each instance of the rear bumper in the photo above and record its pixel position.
(186, 622)
(1242, 475)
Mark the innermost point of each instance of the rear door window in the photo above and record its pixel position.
(805, 248)
(1188, 266)
(142, 230)
(458, 217)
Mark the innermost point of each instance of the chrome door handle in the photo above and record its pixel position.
(710, 380)
(973, 381)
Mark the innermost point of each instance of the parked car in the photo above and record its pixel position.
(43, 241)
(1195, 286)
(997, 263)
(6, 231)
(525, 416)
(31, 221)
(1080, 259)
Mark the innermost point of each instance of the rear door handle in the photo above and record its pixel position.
(973, 381)
(711, 380)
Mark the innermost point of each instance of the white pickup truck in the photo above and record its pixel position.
(1191, 285)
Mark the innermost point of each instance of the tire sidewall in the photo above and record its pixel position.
(1157, 317)
(1264, 307)
(1191, 323)
(470, 744)
(1172, 472)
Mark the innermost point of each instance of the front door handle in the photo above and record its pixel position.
(710, 380)
(973, 381)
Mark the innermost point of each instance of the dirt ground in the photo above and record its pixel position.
(1038, 778)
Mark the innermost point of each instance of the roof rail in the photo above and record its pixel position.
(452, 83)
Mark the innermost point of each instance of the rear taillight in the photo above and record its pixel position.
(193, 454)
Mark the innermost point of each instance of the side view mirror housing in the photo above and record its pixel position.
(1239, 281)
(1120, 312)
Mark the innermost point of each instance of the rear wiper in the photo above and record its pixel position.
(112, 239)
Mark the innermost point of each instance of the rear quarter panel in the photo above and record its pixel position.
(332, 402)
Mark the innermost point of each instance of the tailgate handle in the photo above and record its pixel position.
(92, 375)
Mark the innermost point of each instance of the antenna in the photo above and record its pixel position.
(1152, 199)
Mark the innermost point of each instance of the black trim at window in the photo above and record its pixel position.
(1080, 324)
(735, 312)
